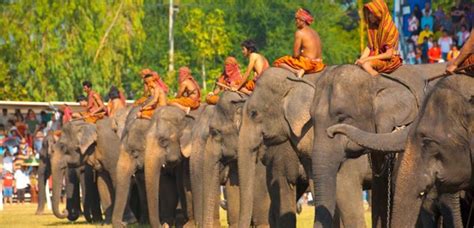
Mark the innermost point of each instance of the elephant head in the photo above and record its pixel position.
(438, 155)
(278, 110)
(167, 142)
(220, 148)
(76, 142)
(354, 113)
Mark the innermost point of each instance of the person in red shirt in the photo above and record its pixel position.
(8, 187)
(434, 53)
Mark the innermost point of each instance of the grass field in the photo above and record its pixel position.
(23, 216)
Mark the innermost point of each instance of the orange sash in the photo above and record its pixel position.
(308, 65)
(186, 102)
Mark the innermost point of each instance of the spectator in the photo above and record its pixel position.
(453, 53)
(418, 55)
(4, 118)
(439, 14)
(8, 186)
(32, 125)
(20, 124)
(411, 56)
(8, 161)
(439, 33)
(434, 53)
(445, 43)
(424, 34)
(67, 113)
(456, 16)
(424, 50)
(417, 12)
(427, 10)
(430, 42)
(427, 19)
(24, 148)
(38, 140)
(413, 24)
(462, 35)
(21, 183)
(45, 117)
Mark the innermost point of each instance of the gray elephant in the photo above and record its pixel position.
(347, 95)
(168, 145)
(214, 163)
(94, 147)
(277, 112)
(438, 154)
(67, 162)
(44, 170)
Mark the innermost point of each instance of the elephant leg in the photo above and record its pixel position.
(140, 177)
(232, 192)
(349, 195)
(91, 193)
(43, 175)
(73, 201)
(261, 207)
(126, 166)
(183, 181)
(104, 185)
(168, 198)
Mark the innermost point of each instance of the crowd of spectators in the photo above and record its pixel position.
(436, 35)
(21, 139)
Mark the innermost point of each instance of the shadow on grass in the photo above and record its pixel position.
(67, 223)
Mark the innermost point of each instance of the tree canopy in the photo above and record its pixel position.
(49, 47)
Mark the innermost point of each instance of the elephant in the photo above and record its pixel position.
(44, 171)
(346, 96)
(65, 160)
(168, 145)
(131, 161)
(277, 112)
(92, 148)
(439, 150)
(214, 163)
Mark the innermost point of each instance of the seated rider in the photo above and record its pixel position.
(257, 64)
(95, 108)
(158, 80)
(189, 93)
(465, 57)
(156, 98)
(116, 101)
(381, 55)
(307, 50)
(229, 80)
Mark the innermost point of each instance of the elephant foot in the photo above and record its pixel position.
(190, 224)
(39, 212)
(119, 224)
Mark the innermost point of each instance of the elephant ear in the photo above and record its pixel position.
(185, 142)
(237, 118)
(297, 104)
(86, 136)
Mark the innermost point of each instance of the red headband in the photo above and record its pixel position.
(304, 15)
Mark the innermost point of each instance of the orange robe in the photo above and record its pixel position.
(383, 38)
(308, 65)
(186, 102)
(92, 105)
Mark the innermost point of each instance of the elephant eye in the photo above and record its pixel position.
(214, 132)
(427, 142)
(253, 114)
(164, 142)
(342, 117)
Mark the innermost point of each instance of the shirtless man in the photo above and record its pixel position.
(189, 93)
(465, 57)
(95, 108)
(116, 101)
(257, 64)
(307, 48)
(157, 97)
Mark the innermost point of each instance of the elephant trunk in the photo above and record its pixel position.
(58, 175)
(327, 157)
(247, 158)
(152, 184)
(407, 201)
(126, 166)
(386, 142)
(41, 188)
(451, 210)
(197, 176)
(211, 182)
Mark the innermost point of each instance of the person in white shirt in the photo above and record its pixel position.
(21, 183)
(445, 42)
